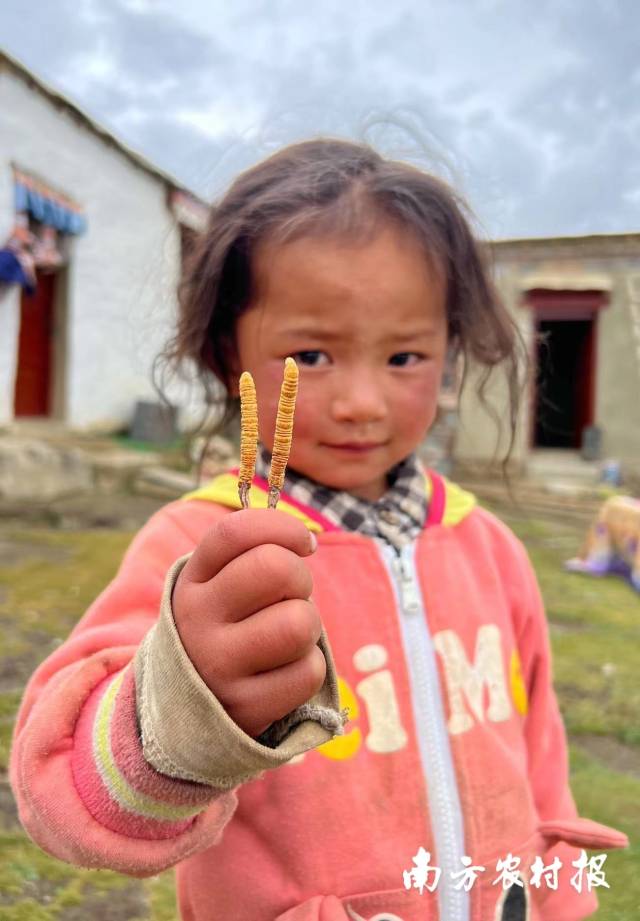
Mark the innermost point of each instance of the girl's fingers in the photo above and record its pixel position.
(270, 639)
(262, 699)
(261, 577)
(236, 533)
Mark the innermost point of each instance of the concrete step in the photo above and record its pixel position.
(163, 483)
(561, 467)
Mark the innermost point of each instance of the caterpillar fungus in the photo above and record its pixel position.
(284, 431)
(248, 436)
(282, 437)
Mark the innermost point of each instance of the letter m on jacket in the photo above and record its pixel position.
(466, 680)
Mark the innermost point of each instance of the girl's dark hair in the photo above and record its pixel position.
(336, 188)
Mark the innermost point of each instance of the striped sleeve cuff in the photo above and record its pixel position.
(187, 733)
(118, 786)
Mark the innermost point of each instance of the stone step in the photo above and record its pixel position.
(562, 467)
(581, 505)
(163, 483)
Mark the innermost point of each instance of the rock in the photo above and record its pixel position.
(216, 448)
(117, 469)
(570, 489)
(211, 467)
(164, 483)
(33, 471)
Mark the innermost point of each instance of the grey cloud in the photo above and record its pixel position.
(586, 192)
(148, 46)
(533, 116)
(54, 33)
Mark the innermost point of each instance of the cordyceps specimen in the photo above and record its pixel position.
(284, 431)
(248, 436)
(282, 437)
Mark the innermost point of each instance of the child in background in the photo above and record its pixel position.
(193, 717)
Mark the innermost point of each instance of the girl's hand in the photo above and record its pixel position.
(243, 612)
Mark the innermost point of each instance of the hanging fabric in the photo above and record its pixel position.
(13, 270)
(45, 250)
(47, 206)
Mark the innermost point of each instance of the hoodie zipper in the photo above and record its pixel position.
(433, 736)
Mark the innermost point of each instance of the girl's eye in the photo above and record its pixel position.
(310, 358)
(307, 358)
(403, 355)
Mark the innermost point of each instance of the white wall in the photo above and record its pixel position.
(9, 296)
(123, 270)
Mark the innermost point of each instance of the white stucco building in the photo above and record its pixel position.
(80, 349)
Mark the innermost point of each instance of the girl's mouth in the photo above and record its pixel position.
(356, 447)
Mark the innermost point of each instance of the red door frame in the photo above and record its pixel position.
(35, 359)
(547, 304)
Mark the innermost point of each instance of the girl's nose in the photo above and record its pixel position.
(359, 397)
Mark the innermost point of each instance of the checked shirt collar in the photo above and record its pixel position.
(397, 517)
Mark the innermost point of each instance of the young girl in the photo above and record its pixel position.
(194, 716)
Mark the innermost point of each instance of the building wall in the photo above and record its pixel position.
(601, 263)
(484, 434)
(618, 385)
(9, 296)
(122, 275)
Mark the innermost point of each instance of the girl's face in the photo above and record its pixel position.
(366, 324)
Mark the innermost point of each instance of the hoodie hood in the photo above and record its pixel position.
(448, 503)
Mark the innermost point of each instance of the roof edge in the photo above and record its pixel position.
(12, 63)
(616, 236)
(8, 61)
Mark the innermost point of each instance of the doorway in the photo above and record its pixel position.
(35, 366)
(564, 364)
(565, 360)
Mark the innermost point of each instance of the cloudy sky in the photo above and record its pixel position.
(532, 109)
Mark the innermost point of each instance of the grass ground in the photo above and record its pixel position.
(48, 578)
(594, 628)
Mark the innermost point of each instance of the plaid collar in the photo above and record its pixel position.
(397, 517)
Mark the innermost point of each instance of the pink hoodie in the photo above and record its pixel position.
(455, 743)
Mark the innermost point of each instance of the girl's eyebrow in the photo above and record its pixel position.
(315, 333)
(330, 335)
